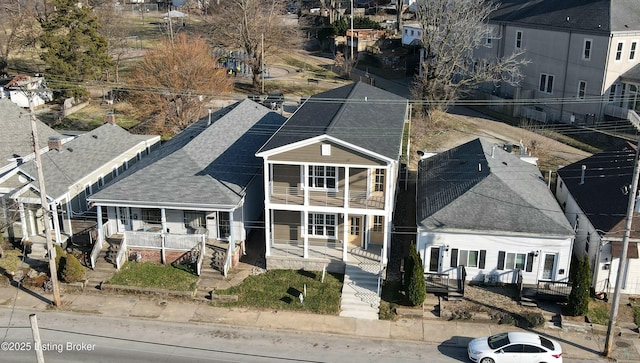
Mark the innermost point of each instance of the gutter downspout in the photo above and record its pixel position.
(566, 69)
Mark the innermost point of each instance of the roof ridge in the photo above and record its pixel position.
(341, 110)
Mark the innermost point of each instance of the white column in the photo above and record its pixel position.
(68, 218)
(56, 222)
(32, 223)
(267, 210)
(305, 214)
(305, 229)
(345, 254)
(388, 187)
(100, 231)
(267, 232)
(23, 221)
(232, 234)
(163, 220)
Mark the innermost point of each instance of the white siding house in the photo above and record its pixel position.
(594, 194)
(485, 209)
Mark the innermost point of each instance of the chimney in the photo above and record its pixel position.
(110, 118)
(54, 143)
(584, 168)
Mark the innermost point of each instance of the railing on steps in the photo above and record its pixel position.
(201, 255)
(121, 258)
(553, 290)
(97, 247)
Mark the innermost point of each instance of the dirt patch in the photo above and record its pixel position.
(446, 130)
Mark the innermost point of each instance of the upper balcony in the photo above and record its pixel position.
(326, 198)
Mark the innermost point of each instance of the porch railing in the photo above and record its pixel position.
(201, 255)
(282, 247)
(624, 113)
(553, 290)
(326, 198)
(97, 246)
(121, 257)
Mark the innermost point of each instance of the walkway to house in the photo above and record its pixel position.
(360, 288)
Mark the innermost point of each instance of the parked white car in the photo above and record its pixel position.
(514, 347)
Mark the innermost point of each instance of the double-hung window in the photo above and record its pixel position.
(322, 177)
(321, 225)
(586, 49)
(377, 223)
(468, 258)
(632, 51)
(195, 219)
(546, 83)
(515, 261)
(619, 51)
(518, 39)
(582, 90)
(378, 182)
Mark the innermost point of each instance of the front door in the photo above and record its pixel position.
(355, 231)
(124, 219)
(549, 266)
(434, 259)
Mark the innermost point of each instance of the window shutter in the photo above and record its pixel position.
(529, 266)
(483, 255)
(500, 260)
(454, 257)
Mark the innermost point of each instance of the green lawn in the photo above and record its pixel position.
(280, 289)
(11, 260)
(148, 274)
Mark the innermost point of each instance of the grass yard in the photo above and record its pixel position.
(11, 259)
(280, 289)
(151, 275)
(599, 312)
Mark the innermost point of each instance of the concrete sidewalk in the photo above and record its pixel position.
(584, 345)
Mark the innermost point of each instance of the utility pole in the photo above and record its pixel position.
(622, 266)
(351, 31)
(46, 211)
(262, 60)
(36, 338)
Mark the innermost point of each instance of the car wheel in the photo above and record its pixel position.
(486, 360)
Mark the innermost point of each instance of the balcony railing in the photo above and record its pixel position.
(326, 198)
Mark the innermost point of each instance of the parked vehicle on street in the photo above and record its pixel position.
(514, 347)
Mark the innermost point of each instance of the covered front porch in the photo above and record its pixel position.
(329, 256)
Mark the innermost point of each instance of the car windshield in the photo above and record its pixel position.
(547, 343)
(498, 340)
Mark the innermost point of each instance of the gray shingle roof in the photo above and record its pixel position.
(601, 197)
(358, 113)
(82, 156)
(466, 189)
(586, 15)
(15, 137)
(203, 166)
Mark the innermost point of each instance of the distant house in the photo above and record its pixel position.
(363, 38)
(22, 88)
(16, 138)
(411, 34)
(206, 182)
(594, 193)
(484, 209)
(583, 52)
(331, 174)
(72, 171)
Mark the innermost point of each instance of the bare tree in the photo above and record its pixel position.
(172, 83)
(452, 31)
(244, 23)
(116, 29)
(18, 25)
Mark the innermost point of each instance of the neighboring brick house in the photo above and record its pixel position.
(206, 182)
